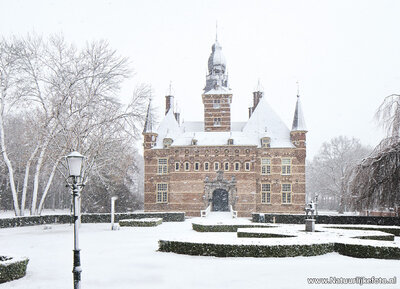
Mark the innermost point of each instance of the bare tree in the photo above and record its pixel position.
(73, 97)
(376, 183)
(329, 173)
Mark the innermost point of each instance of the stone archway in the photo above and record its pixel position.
(220, 200)
(218, 185)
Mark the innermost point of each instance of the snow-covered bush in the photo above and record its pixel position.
(235, 250)
(242, 234)
(325, 219)
(224, 227)
(390, 230)
(87, 218)
(146, 222)
(367, 251)
(12, 268)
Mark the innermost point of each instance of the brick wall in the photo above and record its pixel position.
(186, 188)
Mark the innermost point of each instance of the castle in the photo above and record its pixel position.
(253, 166)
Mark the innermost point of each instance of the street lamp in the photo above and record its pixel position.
(75, 163)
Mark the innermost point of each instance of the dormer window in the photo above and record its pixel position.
(167, 142)
(194, 142)
(217, 121)
(230, 141)
(265, 142)
(216, 103)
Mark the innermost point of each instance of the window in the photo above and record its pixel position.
(217, 103)
(286, 166)
(247, 166)
(266, 193)
(162, 193)
(265, 142)
(226, 166)
(265, 166)
(230, 141)
(286, 193)
(187, 166)
(216, 166)
(196, 166)
(176, 166)
(217, 121)
(206, 166)
(162, 168)
(237, 166)
(167, 142)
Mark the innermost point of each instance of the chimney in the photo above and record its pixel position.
(250, 111)
(168, 102)
(177, 117)
(257, 95)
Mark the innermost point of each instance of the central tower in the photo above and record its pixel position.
(217, 96)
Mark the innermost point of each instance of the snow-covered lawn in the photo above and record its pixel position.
(128, 258)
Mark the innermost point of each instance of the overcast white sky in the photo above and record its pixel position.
(345, 54)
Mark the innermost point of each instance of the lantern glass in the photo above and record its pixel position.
(75, 164)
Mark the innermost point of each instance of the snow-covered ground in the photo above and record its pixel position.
(128, 258)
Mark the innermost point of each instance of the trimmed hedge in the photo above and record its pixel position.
(377, 238)
(366, 251)
(394, 231)
(326, 219)
(87, 218)
(261, 235)
(229, 250)
(148, 222)
(12, 269)
(225, 228)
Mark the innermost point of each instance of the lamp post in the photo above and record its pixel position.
(74, 164)
(113, 199)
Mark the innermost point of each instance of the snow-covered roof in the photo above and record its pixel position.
(264, 122)
(168, 128)
(298, 120)
(219, 90)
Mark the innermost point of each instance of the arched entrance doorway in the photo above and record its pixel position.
(220, 200)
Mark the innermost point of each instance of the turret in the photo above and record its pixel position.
(149, 135)
(299, 129)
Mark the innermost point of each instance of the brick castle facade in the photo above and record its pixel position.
(253, 166)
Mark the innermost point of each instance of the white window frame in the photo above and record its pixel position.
(206, 166)
(162, 193)
(187, 166)
(236, 166)
(286, 191)
(216, 103)
(266, 193)
(198, 166)
(226, 166)
(216, 166)
(217, 121)
(162, 166)
(265, 166)
(286, 164)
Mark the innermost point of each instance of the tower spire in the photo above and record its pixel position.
(148, 125)
(216, 30)
(298, 120)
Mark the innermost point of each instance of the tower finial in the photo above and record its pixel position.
(216, 30)
(298, 89)
(170, 87)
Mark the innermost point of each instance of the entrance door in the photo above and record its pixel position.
(220, 200)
